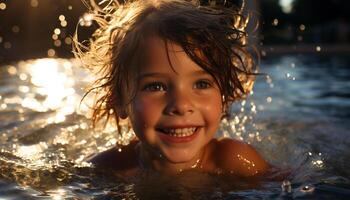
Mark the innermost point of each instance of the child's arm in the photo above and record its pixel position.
(240, 158)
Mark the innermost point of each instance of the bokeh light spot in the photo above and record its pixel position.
(57, 43)
(51, 52)
(15, 29)
(62, 18)
(57, 31)
(68, 40)
(2, 6)
(34, 3)
(318, 48)
(7, 45)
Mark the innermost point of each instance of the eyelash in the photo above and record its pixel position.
(207, 83)
(158, 86)
(153, 87)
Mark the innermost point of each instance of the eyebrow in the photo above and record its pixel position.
(159, 74)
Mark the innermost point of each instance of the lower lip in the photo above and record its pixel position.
(173, 139)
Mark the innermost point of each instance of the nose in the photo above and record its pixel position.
(179, 103)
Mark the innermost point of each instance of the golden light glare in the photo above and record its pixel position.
(275, 22)
(54, 83)
(32, 152)
(86, 19)
(2, 6)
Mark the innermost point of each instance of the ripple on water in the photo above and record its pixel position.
(46, 137)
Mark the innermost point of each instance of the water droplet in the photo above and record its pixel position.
(3, 106)
(23, 88)
(307, 188)
(23, 76)
(269, 99)
(275, 22)
(318, 48)
(86, 19)
(286, 186)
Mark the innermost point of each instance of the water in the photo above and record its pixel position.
(298, 117)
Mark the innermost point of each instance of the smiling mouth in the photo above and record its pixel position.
(179, 132)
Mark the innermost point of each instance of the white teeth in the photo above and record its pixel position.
(180, 132)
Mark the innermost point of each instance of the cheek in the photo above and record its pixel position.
(212, 108)
(145, 111)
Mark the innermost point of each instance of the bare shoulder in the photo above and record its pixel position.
(239, 158)
(123, 158)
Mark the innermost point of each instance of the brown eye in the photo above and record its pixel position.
(154, 87)
(203, 84)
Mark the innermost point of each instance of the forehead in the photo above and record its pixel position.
(162, 55)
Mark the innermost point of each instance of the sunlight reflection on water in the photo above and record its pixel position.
(53, 88)
(46, 134)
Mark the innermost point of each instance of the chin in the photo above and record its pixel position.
(179, 156)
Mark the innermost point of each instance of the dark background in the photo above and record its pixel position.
(286, 26)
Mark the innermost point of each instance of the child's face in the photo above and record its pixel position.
(176, 111)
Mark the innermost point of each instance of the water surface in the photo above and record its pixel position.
(297, 117)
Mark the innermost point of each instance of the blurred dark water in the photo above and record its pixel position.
(298, 117)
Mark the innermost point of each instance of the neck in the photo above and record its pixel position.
(152, 160)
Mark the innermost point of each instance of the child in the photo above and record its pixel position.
(172, 68)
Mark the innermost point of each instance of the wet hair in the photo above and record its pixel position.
(213, 36)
